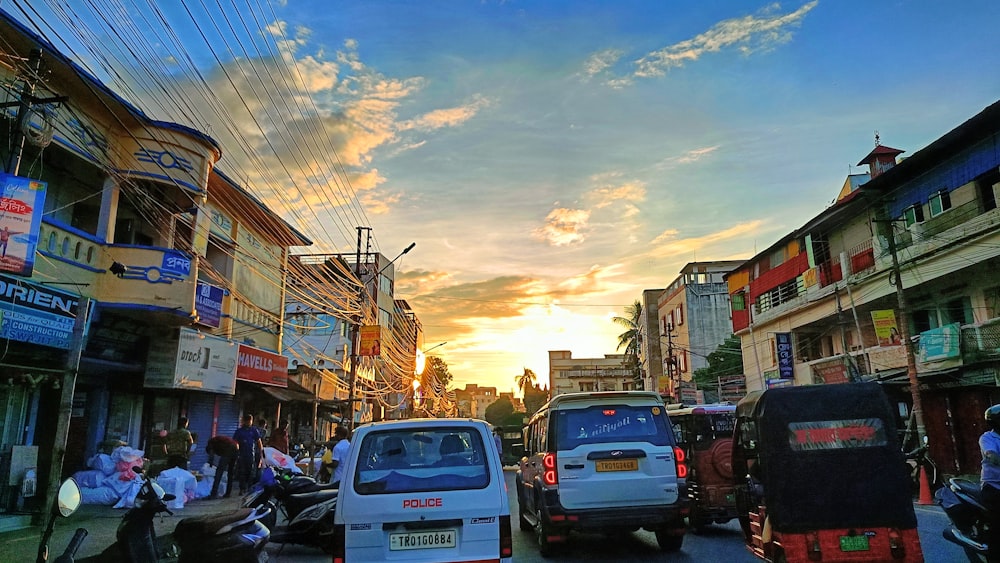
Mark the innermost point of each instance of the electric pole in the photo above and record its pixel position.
(24, 103)
(355, 331)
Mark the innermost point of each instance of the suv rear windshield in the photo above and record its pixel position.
(420, 460)
(612, 423)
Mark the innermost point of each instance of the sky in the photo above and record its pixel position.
(551, 160)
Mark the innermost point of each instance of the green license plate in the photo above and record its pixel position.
(854, 543)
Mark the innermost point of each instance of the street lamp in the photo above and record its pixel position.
(356, 327)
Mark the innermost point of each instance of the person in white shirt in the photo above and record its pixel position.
(334, 458)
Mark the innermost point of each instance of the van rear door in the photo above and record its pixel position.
(432, 494)
(614, 455)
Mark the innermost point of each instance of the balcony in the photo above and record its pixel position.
(149, 278)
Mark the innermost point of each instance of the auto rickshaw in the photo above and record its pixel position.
(819, 476)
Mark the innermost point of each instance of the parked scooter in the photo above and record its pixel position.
(67, 501)
(306, 505)
(234, 537)
(960, 500)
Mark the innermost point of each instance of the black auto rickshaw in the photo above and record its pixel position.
(819, 476)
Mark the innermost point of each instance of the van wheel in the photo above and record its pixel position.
(668, 542)
(542, 531)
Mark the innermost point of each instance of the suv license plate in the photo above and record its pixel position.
(854, 543)
(618, 465)
(430, 539)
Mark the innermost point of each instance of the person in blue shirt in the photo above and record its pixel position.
(251, 450)
(989, 445)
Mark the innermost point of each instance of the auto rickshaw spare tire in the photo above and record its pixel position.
(721, 454)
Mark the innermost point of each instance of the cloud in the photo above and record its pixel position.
(564, 226)
(634, 191)
(601, 61)
(666, 244)
(748, 34)
(450, 117)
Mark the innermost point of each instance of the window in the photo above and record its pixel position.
(913, 214)
(585, 386)
(939, 203)
(679, 315)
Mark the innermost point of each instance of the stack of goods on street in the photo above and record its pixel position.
(110, 479)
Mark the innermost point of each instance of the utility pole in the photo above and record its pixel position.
(27, 99)
(355, 331)
(904, 334)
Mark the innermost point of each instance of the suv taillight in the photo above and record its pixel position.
(681, 458)
(550, 476)
(506, 540)
(339, 544)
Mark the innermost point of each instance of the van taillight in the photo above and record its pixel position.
(550, 477)
(681, 458)
(339, 544)
(506, 540)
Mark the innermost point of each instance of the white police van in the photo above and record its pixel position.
(423, 490)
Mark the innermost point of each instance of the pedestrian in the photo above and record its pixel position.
(178, 444)
(279, 438)
(498, 441)
(261, 428)
(334, 458)
(227, 451)
(250, 452)
(989, 482)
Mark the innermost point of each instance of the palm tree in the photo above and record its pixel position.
(631, 338)
(525, 380)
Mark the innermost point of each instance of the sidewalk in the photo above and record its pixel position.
(101, 523)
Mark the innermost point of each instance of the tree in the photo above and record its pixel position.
(497, 413)
(525, 380)
(631, 339)
(437, 369)
(726, 360)
(534, 398)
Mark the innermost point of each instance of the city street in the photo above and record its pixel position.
(717, 543)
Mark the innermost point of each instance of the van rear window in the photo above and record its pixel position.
(420, 460)
(612, 423)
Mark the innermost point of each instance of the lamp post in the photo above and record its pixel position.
(356, 327)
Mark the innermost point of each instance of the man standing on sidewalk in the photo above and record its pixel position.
(251, 450)
(227, 450)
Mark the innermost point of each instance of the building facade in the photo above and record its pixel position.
(568, 374)
(822, 305)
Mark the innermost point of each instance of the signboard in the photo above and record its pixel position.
(36, 314)
(786, 358)
(886, 329)
(833, 371)
(836, 434)
(938, 344)
(21, 206)
(261, 366)
(371, 341)
(194, 360)
(208, 304)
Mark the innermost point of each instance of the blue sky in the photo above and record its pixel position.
(551, 159)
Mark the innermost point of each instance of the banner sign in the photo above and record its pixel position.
(261, 366)
(195, 360)
(21, 206)
(208, 304)
(836, 434)
(36, 314)
(940, 343)
(786, 359)
(371, 341)
(886, 329)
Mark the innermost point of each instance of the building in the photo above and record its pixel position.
(821, 305)
(650, 348)
(568, 374)
(138, 282)
(694, 319)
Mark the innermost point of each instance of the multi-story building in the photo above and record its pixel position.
(138, 282)
(473, 400)
(650, 349)
(694, 319)
(568, 374)
(910, 250)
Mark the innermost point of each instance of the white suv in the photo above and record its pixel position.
(603, 461)
(423, 490)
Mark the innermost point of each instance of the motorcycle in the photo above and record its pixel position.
(236, 536)
(67, 501)
(917, 459)
(961, 502)
(306, 505)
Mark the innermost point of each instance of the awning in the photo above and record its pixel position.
(287, 395)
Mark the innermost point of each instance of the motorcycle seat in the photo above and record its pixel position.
(968, 487)
(313, 497)
(200, 526)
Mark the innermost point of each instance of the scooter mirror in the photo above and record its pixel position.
(69, 497)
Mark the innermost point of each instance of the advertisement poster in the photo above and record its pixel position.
(200, 361)
(886, 329)
(261, 366)
(36, 314)
(371, 341)
(21, 206)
